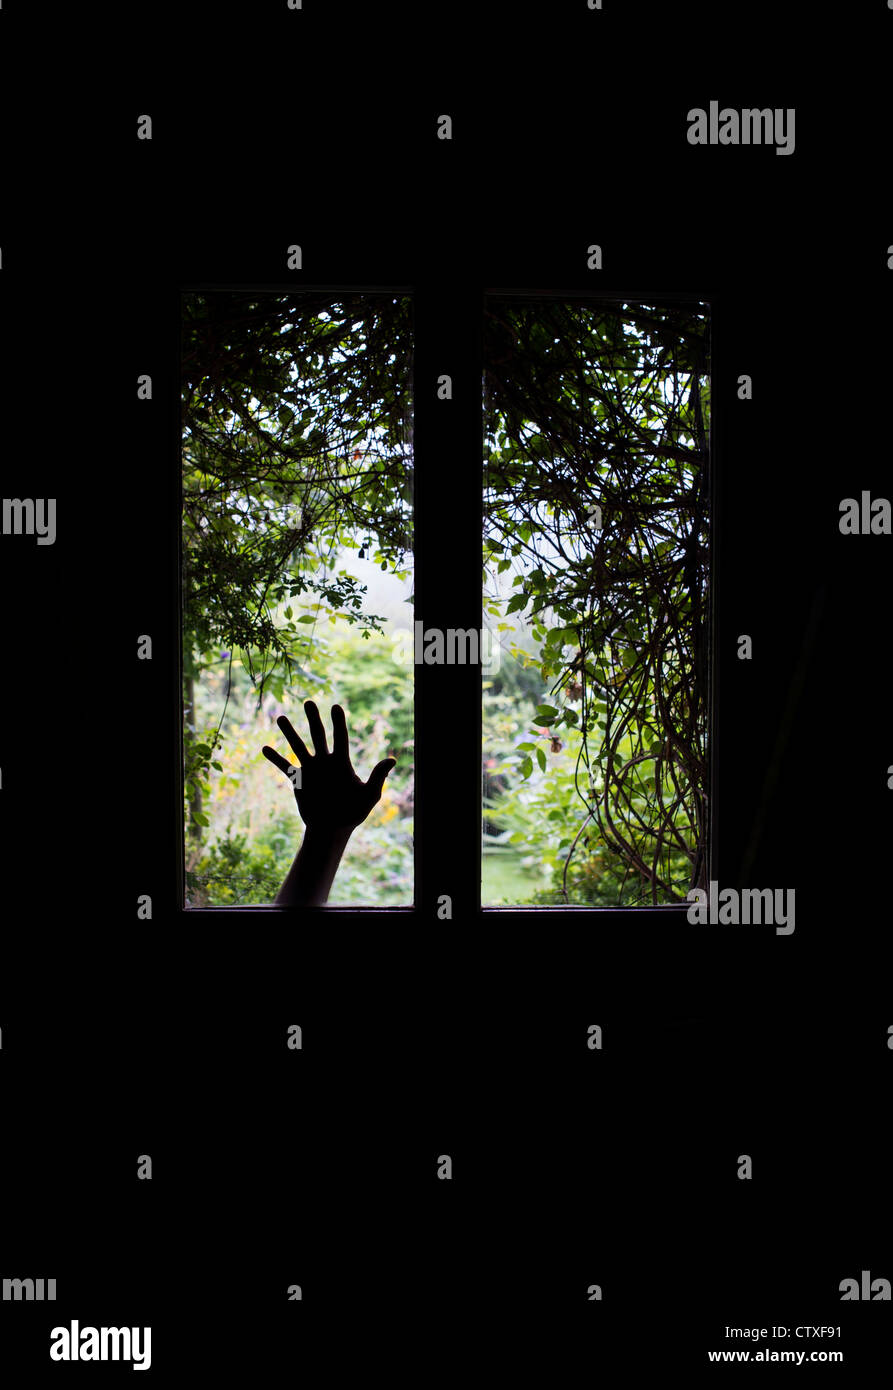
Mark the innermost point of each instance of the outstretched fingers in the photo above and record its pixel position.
(378, 774)
(317, 732)
(339, 732)
(277, 759)
(296, 743)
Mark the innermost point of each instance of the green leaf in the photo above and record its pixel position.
(516, 602)
(203, 749)
(307, 618)
(526, 767)
(526, 747)
(541, 759)
(546, 713)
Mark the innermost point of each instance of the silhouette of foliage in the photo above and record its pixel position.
(596, 496)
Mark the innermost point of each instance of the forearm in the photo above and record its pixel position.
(312, 874)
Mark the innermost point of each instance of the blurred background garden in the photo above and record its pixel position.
(297, 571)
(250, 825)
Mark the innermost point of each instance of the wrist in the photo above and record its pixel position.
(327, 837)
(315, 866)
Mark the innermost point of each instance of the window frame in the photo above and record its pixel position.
(447, 454)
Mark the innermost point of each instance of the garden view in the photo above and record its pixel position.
(297, 553)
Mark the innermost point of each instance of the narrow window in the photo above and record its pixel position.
(297, 550)
(596, 578)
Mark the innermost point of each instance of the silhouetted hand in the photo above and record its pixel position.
(330, 795)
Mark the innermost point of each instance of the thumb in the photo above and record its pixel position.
(378, 774)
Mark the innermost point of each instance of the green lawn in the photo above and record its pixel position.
(503, 880)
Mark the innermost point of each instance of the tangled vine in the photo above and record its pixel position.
(597, 497)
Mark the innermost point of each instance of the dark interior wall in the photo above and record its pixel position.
(572, 1166)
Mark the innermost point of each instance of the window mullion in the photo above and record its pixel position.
(447, 520)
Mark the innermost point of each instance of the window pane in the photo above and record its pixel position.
(297, 576)
(596, 566)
